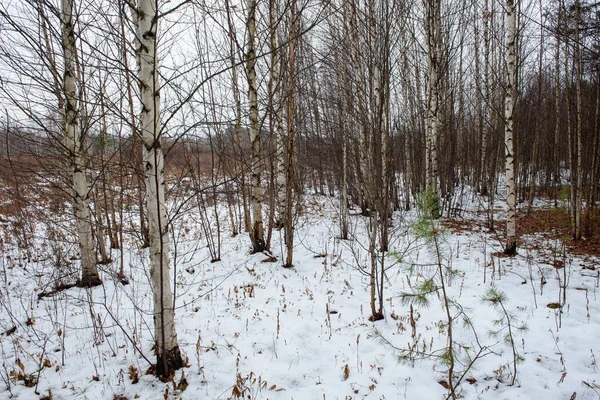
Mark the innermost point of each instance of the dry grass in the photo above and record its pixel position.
(551, 224)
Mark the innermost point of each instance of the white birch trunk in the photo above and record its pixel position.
(277, 113)
(131, 113)
(76, 153)
(432, 122)
(511, 91)
(167, 348)
(486, 100)
(257, 232)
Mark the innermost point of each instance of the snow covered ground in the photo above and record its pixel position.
(251, 328)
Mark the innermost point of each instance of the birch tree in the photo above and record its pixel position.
(509, 108)
(433, 28)
(167, 348)
(277, 111)
(129, 78)
(74, 146)
(257, 231)
(289, 223)
(485, 123)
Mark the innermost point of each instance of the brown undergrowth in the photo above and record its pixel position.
(551, 224)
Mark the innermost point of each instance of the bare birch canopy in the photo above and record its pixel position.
(172, 144)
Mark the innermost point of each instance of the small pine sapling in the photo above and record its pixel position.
(429, 232)
(507, 324)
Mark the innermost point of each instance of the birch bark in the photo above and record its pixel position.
(289, 223)
(511, 91)
(277, 113)
(76, 152)
(167, 348)
(486, 99)
(432, 123)
(257, 232)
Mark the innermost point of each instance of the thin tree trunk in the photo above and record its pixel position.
(167, 348)
(75, 150)
(273, 87)
(486, 103)
(375, 314)
(538, 124)
(99, 231)
(511, 92)
(216, 165)
(133, 122)
(383, 121)
(532, 168)
(109, 207)
(570, 139)
(50, 54)
(432, 128)
(257, 232)
(277, 114)
(238, 118)
(556, 182)
(344, 200)
(479, 178)
(460, 167)
(317, 123)
(578, 144)
(289, 223)
(593, 174)
(342, 121)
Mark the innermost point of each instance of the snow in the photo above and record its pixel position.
(302, 333)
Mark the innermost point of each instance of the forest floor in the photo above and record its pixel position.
(254, 330)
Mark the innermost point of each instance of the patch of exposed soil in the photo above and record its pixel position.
(550, 223)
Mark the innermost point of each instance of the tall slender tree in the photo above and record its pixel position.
(257, 231)
(167, 348)
(237, 127)
(509, 112)
(577, 142)
(289, 223)
(75, 147)
(277, 112)
(433, 32)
